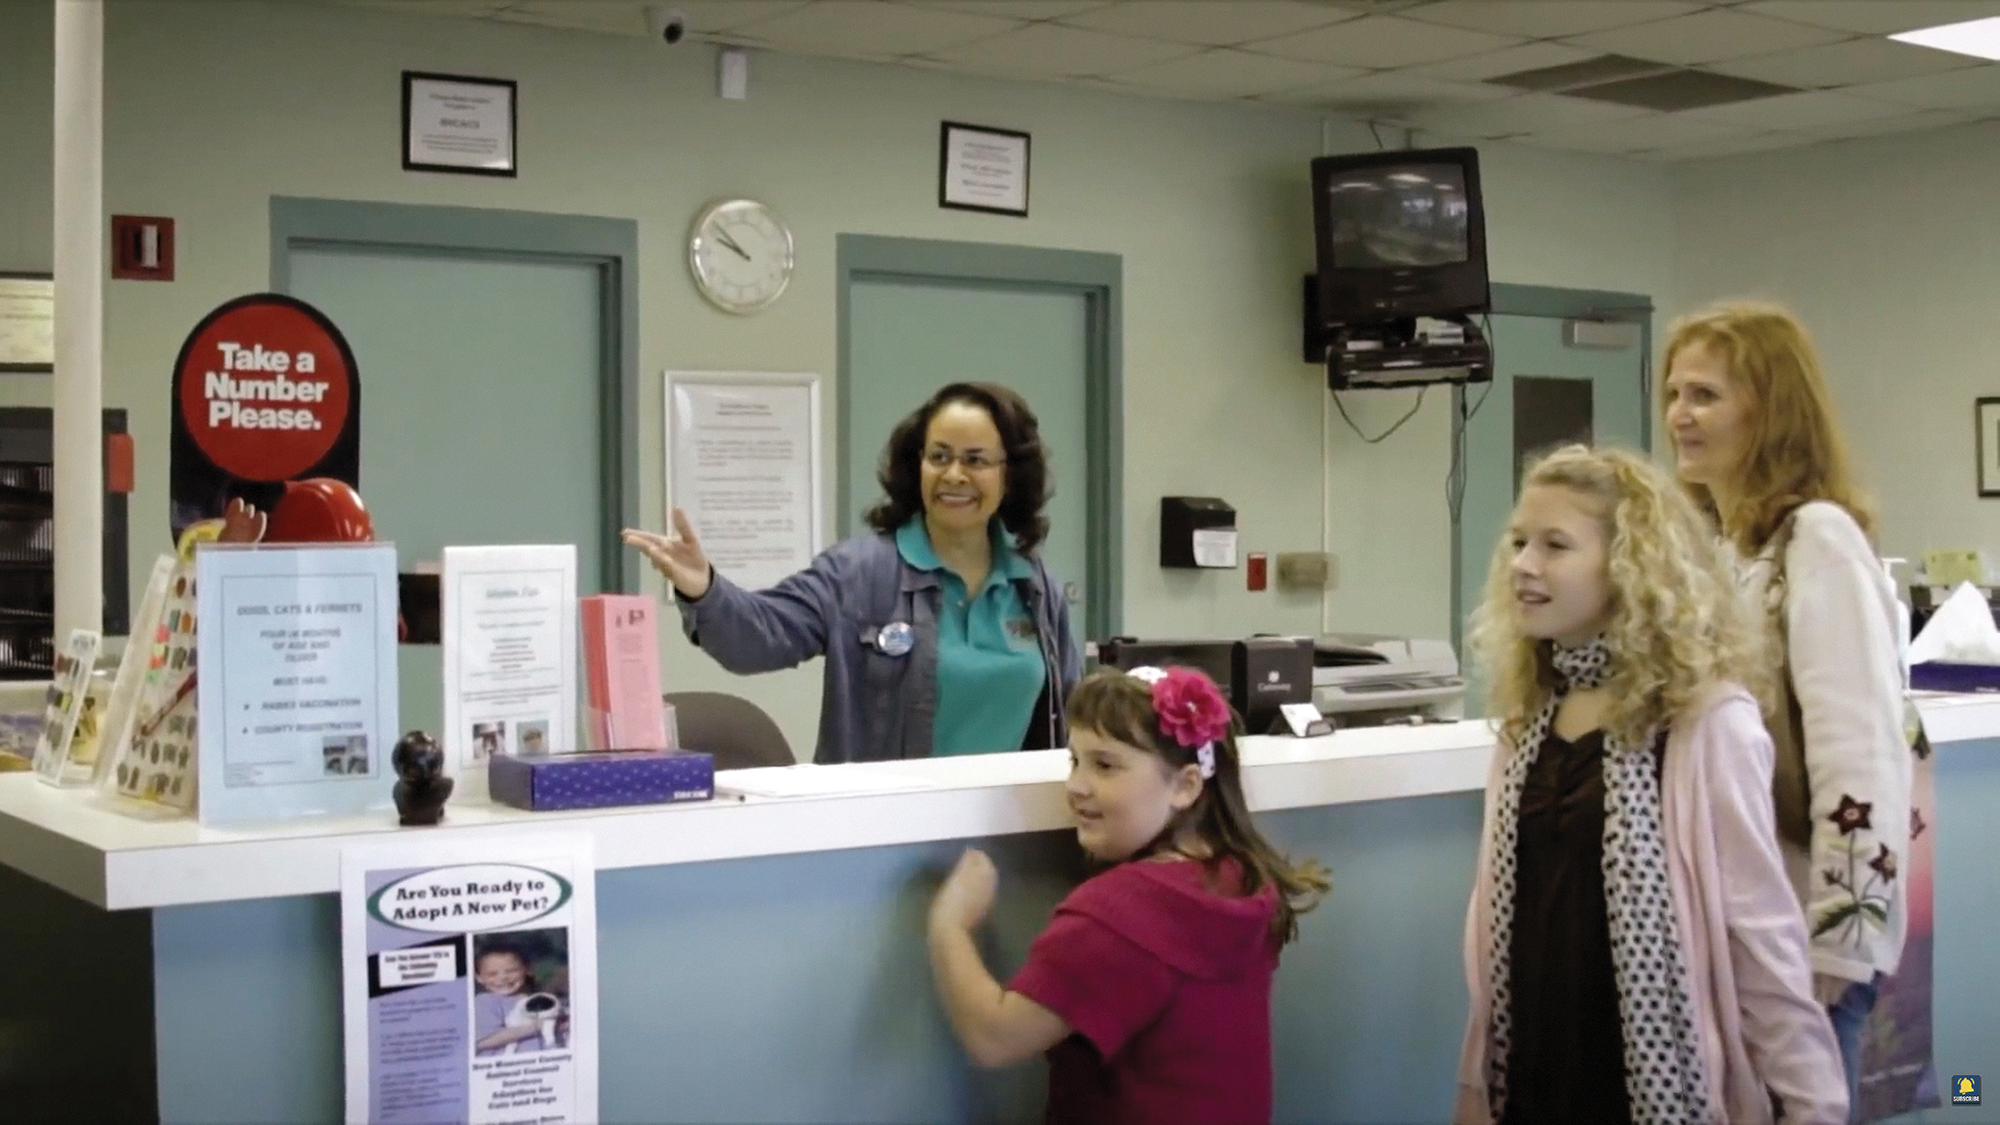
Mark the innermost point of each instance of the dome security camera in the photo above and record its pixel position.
(668, 25)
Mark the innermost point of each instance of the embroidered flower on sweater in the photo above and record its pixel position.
(1863, 904)
(1917, 824)
(1851, 814)
(1885, 863)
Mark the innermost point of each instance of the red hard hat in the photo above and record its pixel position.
(319, 510)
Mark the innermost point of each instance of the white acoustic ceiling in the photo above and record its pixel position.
(1686, 79)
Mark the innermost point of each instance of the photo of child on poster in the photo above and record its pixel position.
(521, 1004)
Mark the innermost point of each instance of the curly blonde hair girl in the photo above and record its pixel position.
(1678, 625)
(1796, 451)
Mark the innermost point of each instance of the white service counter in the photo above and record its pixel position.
(78, 842)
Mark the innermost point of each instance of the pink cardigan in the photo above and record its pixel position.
(1741, 928)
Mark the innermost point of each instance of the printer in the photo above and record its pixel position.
(1362, 679)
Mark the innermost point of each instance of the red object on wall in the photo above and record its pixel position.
(1259, 570)
(142, 248)
(118, 471)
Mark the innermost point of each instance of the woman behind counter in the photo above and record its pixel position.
(943, 631)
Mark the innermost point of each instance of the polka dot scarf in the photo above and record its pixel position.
(1664, 1079)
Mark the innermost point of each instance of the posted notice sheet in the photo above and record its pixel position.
(297, 689)
(469, 981)
(509, 651)
(744, 465)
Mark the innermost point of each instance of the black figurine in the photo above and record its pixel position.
(421, 793)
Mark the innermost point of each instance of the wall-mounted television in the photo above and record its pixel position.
(1399, 234)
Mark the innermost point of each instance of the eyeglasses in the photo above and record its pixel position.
(974, 460)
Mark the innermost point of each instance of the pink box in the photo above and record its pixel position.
(621, 655)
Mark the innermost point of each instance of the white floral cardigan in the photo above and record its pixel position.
(1840, 617)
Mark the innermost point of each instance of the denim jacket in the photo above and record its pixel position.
(874, 705)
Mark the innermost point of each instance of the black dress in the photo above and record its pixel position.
(1567, 1063)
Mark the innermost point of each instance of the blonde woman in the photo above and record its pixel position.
(1632, 948)
(1756, 444)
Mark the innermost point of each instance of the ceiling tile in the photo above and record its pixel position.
(1799, 111)
(1973, 87)
(1226, 73)
(1390, 94)
(470, 9)
(873, 28)
(1726, 146)
(705, 17)
(1876, 17)
(1382, 42)
(1527, 113)
(1046, 50)
(1208, 22)
(1547, 19)
(1507, 60)
(1012, 9)
(1917, 121)
(1709, 36)
(1843, 64)
(1635, 134)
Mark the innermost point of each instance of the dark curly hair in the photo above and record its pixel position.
(1028, 491)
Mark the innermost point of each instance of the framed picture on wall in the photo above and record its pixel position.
(27, 322)
(983, 169)
(1986, 412)
(457, 124)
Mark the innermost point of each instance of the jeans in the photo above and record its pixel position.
(1850, 1015)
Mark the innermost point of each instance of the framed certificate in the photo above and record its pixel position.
(1986, 414)
(457, 124)
(27, 322)
(982, 169)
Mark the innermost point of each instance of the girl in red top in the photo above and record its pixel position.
(1150, 990)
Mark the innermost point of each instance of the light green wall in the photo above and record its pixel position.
(1886, 248)
(213, 108)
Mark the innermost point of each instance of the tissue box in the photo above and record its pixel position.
(599, 779)
(1947, 675)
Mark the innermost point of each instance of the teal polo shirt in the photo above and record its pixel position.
(990, 670)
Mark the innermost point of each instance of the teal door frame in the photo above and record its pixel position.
(1099, 279)
(611, 246)
(1560, 304)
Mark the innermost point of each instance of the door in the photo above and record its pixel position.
(1544, 393)
(907, 338)
(480, 409)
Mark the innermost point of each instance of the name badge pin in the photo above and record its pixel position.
(896, 639)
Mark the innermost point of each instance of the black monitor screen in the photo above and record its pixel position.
(1411, 215)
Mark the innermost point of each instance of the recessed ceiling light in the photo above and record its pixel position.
(1978, 38)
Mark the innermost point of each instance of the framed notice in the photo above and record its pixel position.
(456, 124)
(27, 322)
(743, 461)
(1986, 412)
(983, 169)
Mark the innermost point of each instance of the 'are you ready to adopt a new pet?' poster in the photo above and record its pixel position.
(469, 981)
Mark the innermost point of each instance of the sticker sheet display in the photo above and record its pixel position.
(158, 761)
(69, 697)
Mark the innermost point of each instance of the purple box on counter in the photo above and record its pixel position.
(599, 779)
(1945, 675)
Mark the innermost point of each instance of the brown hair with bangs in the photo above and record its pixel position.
(1796, 452)
(1120, 707)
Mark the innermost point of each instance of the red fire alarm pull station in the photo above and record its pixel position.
(142, 248)
(1259, 570)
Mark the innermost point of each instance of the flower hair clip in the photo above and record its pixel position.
(1190, 710)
